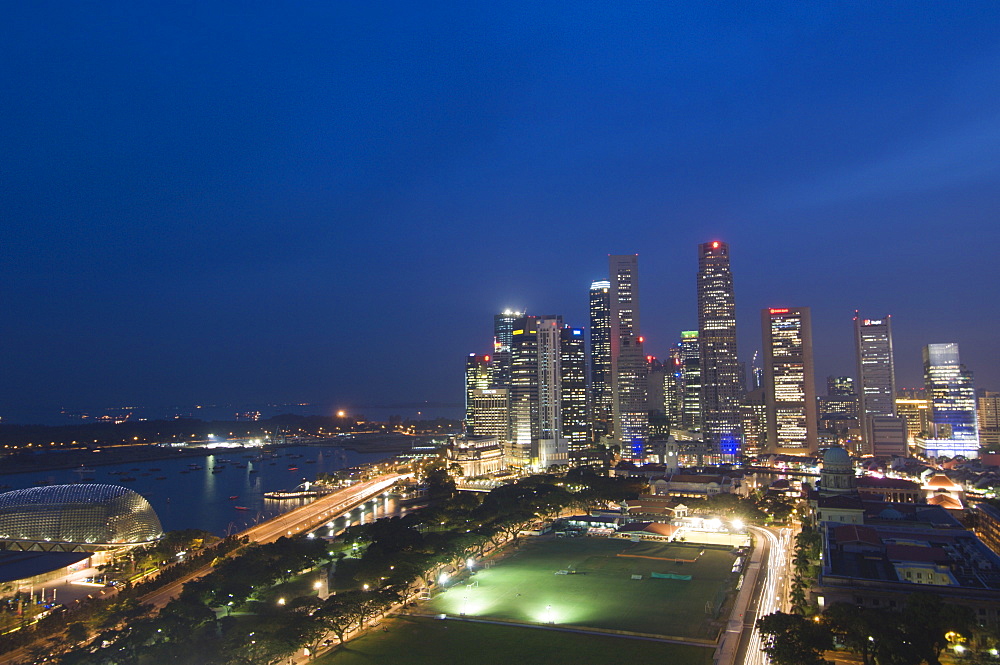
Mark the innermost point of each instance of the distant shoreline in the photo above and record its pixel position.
(86, 458)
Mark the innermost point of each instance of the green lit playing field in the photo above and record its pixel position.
(601, 594)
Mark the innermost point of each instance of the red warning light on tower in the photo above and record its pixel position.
(486, 358)
(715, 245)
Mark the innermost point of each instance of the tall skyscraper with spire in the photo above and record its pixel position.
(600, 359)
(876, 374)
(721, 388)
(628, 360)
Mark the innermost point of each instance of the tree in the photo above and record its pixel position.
(791, 639)
(926, 620)
(76, 632)
(851, 626)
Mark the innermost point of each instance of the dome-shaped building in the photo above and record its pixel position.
(837, 474)
(76, 518)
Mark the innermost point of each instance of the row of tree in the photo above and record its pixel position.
(914, 634)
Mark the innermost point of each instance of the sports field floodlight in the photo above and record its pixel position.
(737, 524)
(470, 562)
(442, 578)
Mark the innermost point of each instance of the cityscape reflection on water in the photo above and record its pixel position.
(207, 498)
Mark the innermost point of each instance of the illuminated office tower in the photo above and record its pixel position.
(491, 413)
(953, 404)
(628, 361)
(573, 390)
(538, 361)
(721, 387)
(839, 386)
(754, 415)
(789, 384)
(989, 418)
(503, 333)
(876, 373)
(916, 411)
(673, 386)
(477, 377)
(691, 370)
(631, 399)
(600, 358)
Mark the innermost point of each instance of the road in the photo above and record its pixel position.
(299, 520)
(763, 593)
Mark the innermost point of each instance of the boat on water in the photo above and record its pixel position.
(293, 468)
(241, 508)
(234, 497)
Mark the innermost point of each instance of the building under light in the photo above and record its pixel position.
(953, 404)
(722, 387)
(477, 377)
(876, 375)
(76, 518)
(600, 359)
(790, 391)
(628, 360)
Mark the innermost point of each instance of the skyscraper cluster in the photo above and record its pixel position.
(553, 397)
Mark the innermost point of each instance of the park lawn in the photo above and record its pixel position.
(524, 587)
(300, 585)
(427, 641)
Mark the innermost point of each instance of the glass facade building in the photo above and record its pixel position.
(600, 358)
(87, 517)
(721, 385)
(953, 404)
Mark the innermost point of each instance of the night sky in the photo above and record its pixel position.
(270, 202)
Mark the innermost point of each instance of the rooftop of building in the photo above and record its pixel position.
(970, 562)
(874, 482)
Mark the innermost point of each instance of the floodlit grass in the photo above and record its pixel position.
(423, 641)
(602, 594)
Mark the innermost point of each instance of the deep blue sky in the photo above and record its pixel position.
(228, 202)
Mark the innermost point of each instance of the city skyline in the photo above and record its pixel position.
(310, 205)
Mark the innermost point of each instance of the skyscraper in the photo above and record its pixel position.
(600, 359)
(721, 388)
(876, 374)
(691, 377)
(989, 418)
(628, 360)
(673, 386)
(953, 404)
(789, 384)
(541, 398)
(477, 377)
(503, 335)
(573, 390)
(491, 413)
